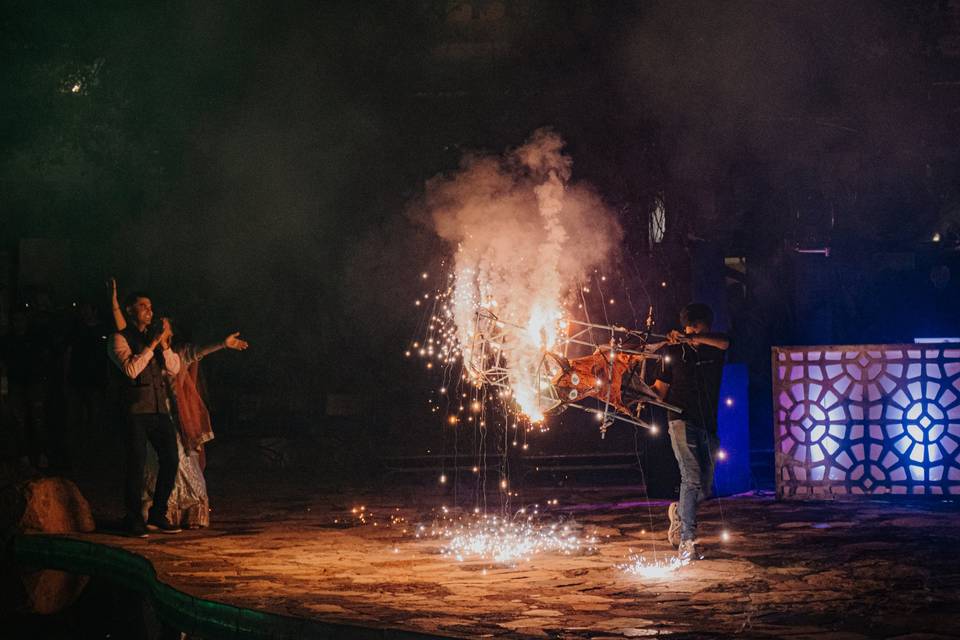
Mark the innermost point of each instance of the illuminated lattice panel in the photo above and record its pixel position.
(867, 419)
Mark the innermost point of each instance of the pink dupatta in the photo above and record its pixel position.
(194, 419)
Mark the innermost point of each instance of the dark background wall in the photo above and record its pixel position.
(251, 164)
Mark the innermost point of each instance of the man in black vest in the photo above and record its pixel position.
(144, 356)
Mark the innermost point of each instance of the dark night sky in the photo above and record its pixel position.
(251, 163)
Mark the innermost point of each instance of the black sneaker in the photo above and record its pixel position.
(136, 530)
(162, 526)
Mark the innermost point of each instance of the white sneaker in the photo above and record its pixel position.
(688, 551)
(673, 533)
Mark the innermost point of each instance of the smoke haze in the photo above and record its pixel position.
(522, 234)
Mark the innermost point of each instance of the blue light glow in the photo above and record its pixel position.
(733, 471)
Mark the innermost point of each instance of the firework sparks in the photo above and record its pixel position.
(644, 568)
(505, 541)
(521, 235)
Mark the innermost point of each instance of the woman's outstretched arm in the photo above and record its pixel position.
(233, 341)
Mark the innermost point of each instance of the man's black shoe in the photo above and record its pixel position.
(136, 530)
(162, 526)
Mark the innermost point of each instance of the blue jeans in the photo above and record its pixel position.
(696, 452)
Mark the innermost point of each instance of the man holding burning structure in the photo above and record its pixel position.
(690, 380)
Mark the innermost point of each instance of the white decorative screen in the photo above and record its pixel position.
(867, 419)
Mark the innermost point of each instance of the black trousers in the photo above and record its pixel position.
(159, 430)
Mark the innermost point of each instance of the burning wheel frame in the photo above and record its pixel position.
(624, 349)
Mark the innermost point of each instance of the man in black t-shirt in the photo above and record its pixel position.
(690, 379)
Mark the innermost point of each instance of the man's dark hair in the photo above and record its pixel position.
(696, 312)
(133, 296)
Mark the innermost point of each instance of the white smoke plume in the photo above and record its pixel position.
(521, 234)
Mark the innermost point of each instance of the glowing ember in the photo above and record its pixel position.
(644, 568)
(505, 541)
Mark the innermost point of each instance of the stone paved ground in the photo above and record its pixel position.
(815, 570)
